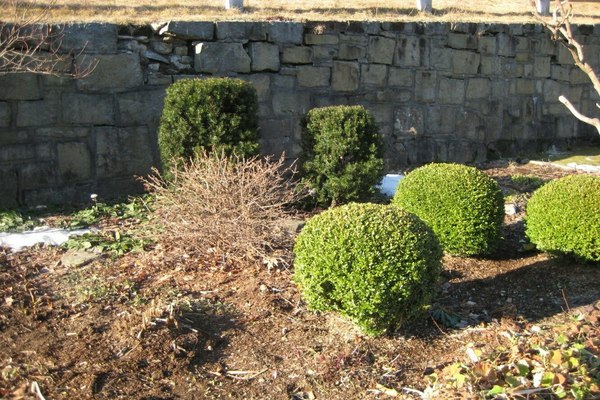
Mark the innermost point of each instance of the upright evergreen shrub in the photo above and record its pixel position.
(462, 205)
(564, 216)
(376, 264)
(342, 154)
(217, 114)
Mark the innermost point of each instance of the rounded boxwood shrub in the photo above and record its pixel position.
(462, 205)
(213, 114)
(342, 154)
(376, 264)
(564, 216)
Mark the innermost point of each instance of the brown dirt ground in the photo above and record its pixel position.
(150, 326)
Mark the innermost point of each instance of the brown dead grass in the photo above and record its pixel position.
(145, 11)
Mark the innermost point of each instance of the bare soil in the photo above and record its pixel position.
(153, 326)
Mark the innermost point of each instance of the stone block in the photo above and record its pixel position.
(122, 151)
(220, 58)
(506, 45)
(349, 51)
(264, 56)
(284, 81)
(62, 133)
(441, 58)
(452, 91)
(408, 51)
(491, 66)
(19, 87)
(309, 76)
(37, 175)
(325, 39)
(140, 108)
(262, 84)
(112, 71)
(38, 112)
(577, 77)
(17, 152)
(408, 121)
(287, 103)
(272, 129)
(161, 47)
(189, 30)
(425, 86)
(88, 109)
(462, 41)
(470, 126)
(440, 120)
(564, 56)
(285, 32)
(401, 77)
(296, 55)
(356, 40)
(525, 86)
(345, 76)
(541, 67)
(487, 45)
(383, 114)
(478, 88)
(324, 55)
(89, 38)
(465, 62)
(373, 74)
(238, 31)
(9, 195)
(8, 137)
(4, 115)
(381, 50)
(74, 161)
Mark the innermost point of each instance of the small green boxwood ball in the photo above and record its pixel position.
(376, 264)
(462, 205)
(564, 216)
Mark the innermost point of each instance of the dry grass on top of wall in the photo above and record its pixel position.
(145, 11)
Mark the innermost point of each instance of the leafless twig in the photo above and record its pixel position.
(561, 30)
(28, 44)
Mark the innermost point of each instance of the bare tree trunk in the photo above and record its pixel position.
(560, 27)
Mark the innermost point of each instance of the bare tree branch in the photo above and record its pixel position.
(30, 45)
(560, 27)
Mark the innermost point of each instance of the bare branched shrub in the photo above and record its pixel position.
(560, 27)
(27, 44)
(224, 210)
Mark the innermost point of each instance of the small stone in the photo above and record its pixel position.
(78, 258)
(181, 51)
(470, 303)
(162, 47)
(151, 55)
(510, 209)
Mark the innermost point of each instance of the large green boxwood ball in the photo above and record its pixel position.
(376, 264)
(564, 216)
(462, 205)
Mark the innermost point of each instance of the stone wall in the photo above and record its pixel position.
(439, 91)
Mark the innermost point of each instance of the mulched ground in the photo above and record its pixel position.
(152, 326)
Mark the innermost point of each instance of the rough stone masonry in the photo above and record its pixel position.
(439, 92)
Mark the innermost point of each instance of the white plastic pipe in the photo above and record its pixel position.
(424, 5)
(542, 7)
(238, 4)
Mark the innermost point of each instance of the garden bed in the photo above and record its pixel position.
(149, 325)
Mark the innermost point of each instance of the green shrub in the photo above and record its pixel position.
(342, 154)
(376, 264)
(208, 114)
(462, 205)
(564, 216)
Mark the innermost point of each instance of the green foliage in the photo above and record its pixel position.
(564, 216)
(208, 114)
(527, 183)
(342, 154)
(462, 205)
(376, 264)
(113, 243)
(14, 221)
(137, 208)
